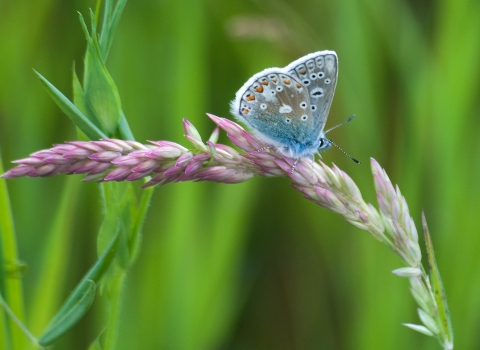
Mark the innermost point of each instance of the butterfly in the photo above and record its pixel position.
(288, 107)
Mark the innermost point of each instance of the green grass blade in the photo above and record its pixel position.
(77, 117)
(19, 323)
(438, 290)
(11, 288)
(124, 129)
(71, 316)
(5, 327)
(111, 336)
(100, 90)
(95, 274)
(111, 19)
(80, 100)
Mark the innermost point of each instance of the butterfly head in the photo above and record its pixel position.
(324, 144)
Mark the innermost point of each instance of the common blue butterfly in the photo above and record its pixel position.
(288, 107)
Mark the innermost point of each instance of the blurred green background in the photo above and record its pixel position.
(254, 265)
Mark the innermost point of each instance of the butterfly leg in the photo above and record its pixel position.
(266, 148)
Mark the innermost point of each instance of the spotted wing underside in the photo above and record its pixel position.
(318, 73)
(277, 105)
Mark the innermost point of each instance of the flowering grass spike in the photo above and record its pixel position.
(331, 188)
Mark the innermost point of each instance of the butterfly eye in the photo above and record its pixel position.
(288, 120)
(304, 117)
(263, 106)
(327, 81)
(303, 104)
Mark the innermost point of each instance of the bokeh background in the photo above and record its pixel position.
(254, 265)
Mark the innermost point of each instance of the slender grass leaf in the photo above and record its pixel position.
(75, 115)
(19, 326)
(111, 336)
(100, 90)
(437, 286)
(10, 288)
(94, 274)
(71, 316)
(81, 102)
(124, 129)
(4, 323)
(111, 19)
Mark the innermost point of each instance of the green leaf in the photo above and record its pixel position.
(80, 101)
(120, 209)
(437, 286)
(75, 115)
(100, 92)
(124, 129)
(119, 205)
(136, 236)
(70, 316)
(76, 304)
(111, 19)
(10, 288)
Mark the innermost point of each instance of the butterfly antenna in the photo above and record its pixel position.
(348, 155)
(345, 122)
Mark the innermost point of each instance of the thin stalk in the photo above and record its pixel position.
(19, 323)
(11, 287)
(115, 295)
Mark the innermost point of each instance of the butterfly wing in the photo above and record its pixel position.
(277, 107)
(318, 73)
